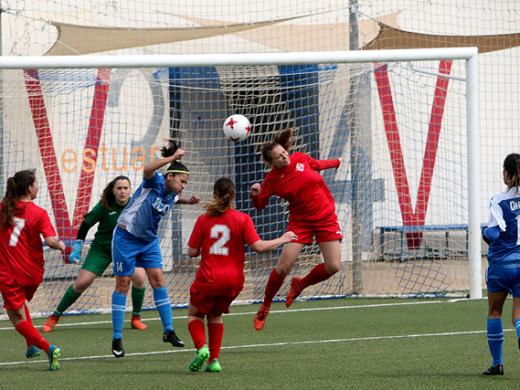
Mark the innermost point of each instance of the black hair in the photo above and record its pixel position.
(177, 168)
(167, 151)
(512, 167)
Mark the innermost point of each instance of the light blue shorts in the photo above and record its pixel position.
(129, 252)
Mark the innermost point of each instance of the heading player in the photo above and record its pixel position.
(312, 214)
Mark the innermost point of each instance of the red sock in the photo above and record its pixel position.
(317, 274)
(28, 319)
(32, 336)
(197, 332)
(273, 286)
(215, 332)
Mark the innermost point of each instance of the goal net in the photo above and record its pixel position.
(400, 128)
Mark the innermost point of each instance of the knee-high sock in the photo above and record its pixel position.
(517, 327)
(317, 274)
(28, 319)
(118, 314)
(198, 333)
(32, 336)
(273, 286)
(27, 314)
(495, 336)
(137, 300)
(162, 302)
(215, 335)
(68, 299)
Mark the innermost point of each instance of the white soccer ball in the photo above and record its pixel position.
(237, 128)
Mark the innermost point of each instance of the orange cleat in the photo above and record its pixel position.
(260, 317)
(137, 324)
(294, 292)
(50, 323)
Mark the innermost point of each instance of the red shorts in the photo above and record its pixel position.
(15, 296)
(323, 232)
(211, 304)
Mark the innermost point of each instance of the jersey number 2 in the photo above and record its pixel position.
(221, 232)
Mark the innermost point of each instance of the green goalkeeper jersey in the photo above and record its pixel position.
(107, 222)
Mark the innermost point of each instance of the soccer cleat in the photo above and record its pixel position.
(53, 354)
(137, 324)
(117, 348)
(50, 323)
(294, 292)
(260, 317)
(202, 356)
(214, 366)
(171, 337)
(495, 370)
(32, 352)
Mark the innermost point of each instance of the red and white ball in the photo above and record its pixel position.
(236, 128)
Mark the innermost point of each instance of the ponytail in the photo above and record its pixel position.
(224, 192)
(17, 187)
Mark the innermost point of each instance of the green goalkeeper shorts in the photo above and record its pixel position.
(98, 259)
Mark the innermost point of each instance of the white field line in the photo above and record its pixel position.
(280, 344)
(444, 334)
(285, 311)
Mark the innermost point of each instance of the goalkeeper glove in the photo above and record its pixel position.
(75, 255)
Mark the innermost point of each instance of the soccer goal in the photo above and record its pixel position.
(404, 122)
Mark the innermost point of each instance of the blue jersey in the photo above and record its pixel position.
(504, 214)
(148, 205)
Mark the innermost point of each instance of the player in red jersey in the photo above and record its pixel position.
(219, 237)
(21, 258)
(312, 214)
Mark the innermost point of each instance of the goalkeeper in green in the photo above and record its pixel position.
(106, 212)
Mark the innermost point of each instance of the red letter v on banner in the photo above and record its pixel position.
(411, 218)
(66, 230)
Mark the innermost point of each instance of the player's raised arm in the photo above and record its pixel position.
(170, 153)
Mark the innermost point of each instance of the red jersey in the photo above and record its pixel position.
(303, 187)
(222, 242)
(21, 247)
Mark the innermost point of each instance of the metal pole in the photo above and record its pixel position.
(2, 179)
(473, 144)
(355, 157)
(239, 59)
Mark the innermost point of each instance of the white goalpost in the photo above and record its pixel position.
(404, 122)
